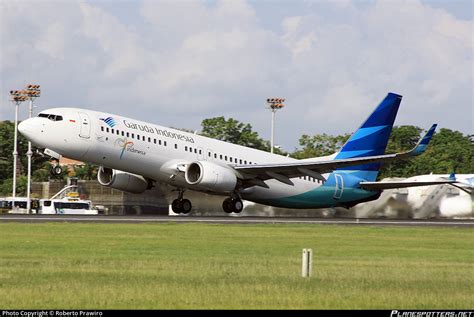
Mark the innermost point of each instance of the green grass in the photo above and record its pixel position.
(202, 266)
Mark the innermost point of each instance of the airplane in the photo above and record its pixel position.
(132, 155)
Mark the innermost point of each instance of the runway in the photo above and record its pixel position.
(465, 223)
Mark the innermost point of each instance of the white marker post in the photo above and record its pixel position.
(307, 264)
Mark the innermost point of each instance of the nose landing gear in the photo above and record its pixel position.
(56, 170)
(54, 157)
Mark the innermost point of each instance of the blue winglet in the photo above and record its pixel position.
(421, 146)
(452, 176)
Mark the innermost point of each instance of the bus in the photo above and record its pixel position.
(6, 205)
(66, 206)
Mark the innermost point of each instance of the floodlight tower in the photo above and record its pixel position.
(17, 98)
(32, 92)
(274, 104)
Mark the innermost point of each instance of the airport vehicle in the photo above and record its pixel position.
(69, 205)
(133, 155)
(66, 205)
(6, 205)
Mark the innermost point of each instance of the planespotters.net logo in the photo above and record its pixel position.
(109, 121)
(420, 313)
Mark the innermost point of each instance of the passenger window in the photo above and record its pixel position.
(133, 135)
(143, 138)
(149, 140)
(159, 142)
(164, 143)
(215, 155)
(225, 157)
(118, 132)
(209, 154)
(240, 161)
(107, 129)
(230, 158)
(102, 129)
(154, 141)
(220, 156)
(195, 151)
(176, 146)
(245, 162)
(123, 133)
(186, 148)
(200, 151)
(128, 134)
(138, 137)
(112, 131)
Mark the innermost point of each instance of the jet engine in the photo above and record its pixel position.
(123, 181)
(210, 176)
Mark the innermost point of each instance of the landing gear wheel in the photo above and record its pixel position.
(181, 206)
(237, 205)
(232, 205)
(176, 205)
(227, 205)
(186, 206)
(56, 170)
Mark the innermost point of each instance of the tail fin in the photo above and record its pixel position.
(371, 138)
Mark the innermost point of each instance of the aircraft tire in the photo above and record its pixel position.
(237, 205)
(227, 205)
(177, 206)
(186, 206)
(56, 170)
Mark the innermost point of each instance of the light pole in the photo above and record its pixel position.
(274, 104)
(32, 91)
(17, 98)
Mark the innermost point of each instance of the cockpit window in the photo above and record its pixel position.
(51, 117)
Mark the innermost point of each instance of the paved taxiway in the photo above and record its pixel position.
(238, 220)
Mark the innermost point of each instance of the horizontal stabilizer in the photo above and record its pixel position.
(401, 184)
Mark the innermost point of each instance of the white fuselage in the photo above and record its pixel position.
(150, 150)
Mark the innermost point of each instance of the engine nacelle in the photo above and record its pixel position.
(123, 181)
(210, 176)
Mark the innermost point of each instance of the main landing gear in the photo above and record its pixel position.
(232, 204)
(180, 205)
(183, 206)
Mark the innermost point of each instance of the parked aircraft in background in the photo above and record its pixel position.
(133, 155)
(443, 200)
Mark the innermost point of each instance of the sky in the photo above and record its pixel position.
(175, 63)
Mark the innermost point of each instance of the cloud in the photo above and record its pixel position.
(178, 62)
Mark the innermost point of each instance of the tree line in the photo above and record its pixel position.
(449, 151)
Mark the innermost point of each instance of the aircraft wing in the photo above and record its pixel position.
(283, 172)
(401, 184)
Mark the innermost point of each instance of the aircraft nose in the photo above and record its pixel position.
(26, 128)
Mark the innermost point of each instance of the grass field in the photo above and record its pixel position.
(202, 266)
